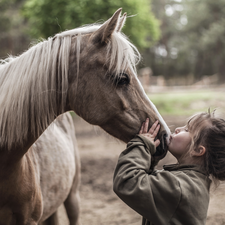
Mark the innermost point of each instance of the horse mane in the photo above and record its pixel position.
(31, 82)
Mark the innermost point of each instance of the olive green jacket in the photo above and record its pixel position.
(177, 195)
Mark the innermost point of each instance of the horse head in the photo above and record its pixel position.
(103, 85)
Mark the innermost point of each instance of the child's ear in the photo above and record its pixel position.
(200, 151)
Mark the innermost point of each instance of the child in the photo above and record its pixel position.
(178, 194)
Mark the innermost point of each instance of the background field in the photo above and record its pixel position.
(178, 101)
(99, 153)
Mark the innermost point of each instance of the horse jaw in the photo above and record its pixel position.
(126, 125)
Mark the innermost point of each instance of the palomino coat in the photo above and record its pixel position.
(176, 195)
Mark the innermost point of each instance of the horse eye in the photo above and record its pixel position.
(123, 79)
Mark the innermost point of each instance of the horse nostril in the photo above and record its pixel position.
(163, 140)
(165, 136)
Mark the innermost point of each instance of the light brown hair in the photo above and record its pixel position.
(208, 130)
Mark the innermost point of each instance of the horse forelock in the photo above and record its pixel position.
(122, 54)
(80, 30)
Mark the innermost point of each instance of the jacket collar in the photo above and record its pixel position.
(174, 167)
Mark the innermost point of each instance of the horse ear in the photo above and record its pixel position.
(103, 34)
(122, 22)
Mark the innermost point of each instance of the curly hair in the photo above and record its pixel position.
(208, 130)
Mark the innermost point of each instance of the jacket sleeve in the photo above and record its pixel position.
(155, 196)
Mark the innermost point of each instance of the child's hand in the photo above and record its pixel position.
(152, 133)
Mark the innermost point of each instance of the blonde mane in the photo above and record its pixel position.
(31, 82)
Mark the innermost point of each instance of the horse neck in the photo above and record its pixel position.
(33, 89)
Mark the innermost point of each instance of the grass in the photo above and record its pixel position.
(187, 103)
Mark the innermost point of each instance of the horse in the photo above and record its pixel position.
(90, 70)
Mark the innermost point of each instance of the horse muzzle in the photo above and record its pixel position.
(162, 149)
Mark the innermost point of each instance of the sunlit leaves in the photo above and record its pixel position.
(48, 17)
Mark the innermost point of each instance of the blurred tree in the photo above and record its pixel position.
(163, 57)
(5, 24)
(192, 39)
(12, 35)
(4, 20)
(205, 32)
(49, 17)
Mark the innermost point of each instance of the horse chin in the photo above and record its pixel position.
(120, 135)
(121, 131)
(162, 149)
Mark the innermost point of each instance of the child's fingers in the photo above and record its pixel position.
(156, 131)
(145, 129)
(141, 130)
(152, 129)
(157, 142)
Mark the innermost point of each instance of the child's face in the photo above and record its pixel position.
(180, 142)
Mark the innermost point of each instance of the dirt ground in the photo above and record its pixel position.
(99, 204)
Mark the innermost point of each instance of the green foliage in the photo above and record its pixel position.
(4, 19)
(192, 38)
(163, 57)
(48, 17)
(205, 33)
(12, 32)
